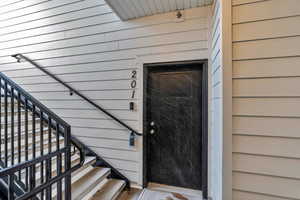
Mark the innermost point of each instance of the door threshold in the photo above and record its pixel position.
(174, 189)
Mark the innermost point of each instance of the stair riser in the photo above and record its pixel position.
(22, 118)
(81, 196)
(53, 170)
(45, 142)
(22, 126)
(74, 161)
(81, 173)
(2, 113)
(37, 134)
(30, 151)
(16, 122)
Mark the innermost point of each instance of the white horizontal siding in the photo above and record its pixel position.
(85, 44)
(266, 118)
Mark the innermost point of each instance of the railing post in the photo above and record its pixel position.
(5, 126)
(12, 125)
(1, 119)
(26, 144)
(67, 141)
(11, 187)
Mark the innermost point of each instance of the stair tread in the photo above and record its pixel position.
(37, 144)
(89, 161)
(132, 194)
(9, 112)
(88, 181)
(74, 158)
(110, 190)
(37, 123)
(30, 133)
(30, 140)
(38, 152)
(79, 175)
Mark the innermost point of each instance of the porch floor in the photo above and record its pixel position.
(164, 192)
(133, 194)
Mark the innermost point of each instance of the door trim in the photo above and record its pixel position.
(204, 65)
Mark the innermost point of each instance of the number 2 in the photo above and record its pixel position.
(134, 74)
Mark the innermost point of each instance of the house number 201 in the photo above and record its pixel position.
(133, 83)
(133, 86)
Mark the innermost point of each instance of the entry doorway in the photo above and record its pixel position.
(175, 124)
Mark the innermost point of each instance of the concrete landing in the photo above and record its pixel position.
(163, 192)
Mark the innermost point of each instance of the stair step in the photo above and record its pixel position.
(38, 152)
(15, 113)
(85, 180)
(87, 183)
(74, 160)
(29, 122)
(89, 161)
(30, 128)
(30, 139)
(94, 190)
(37, 121)
(110, 191)
(37, 133)
(79, 173)
(8, 103)
(132, 194)
(2, 113)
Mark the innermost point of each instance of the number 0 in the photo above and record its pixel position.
(133, 84)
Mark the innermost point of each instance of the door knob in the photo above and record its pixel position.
(152, 131)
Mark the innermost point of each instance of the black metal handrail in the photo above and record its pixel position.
(73, 90)
(14, 168)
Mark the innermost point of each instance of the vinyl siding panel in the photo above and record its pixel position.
(272, 166)
(266, 117)
(275, 186)
(242, 195)
(279, 87)
(265, 10)
(266, 126)
(86, 45)
(274, 67)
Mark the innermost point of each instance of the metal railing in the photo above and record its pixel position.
(33, 139)
(73, 90)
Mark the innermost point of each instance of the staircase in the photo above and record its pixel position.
(40, 160)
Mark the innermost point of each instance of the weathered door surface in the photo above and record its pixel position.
(174, 121)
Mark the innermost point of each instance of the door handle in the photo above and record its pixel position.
(152, 128)
(152, 131)
(152, 124)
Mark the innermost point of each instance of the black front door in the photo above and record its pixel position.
(174, 126)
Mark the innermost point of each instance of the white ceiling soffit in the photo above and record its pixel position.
(130, 9)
